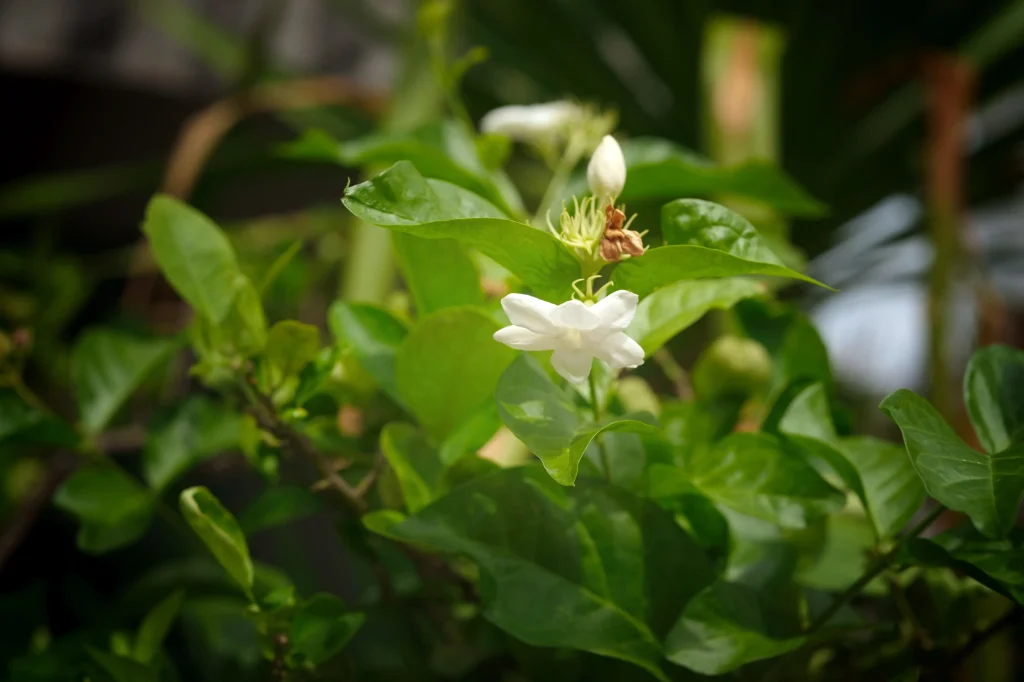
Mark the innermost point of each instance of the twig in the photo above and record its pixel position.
(1014, 616)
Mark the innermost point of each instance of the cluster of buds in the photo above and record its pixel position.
(557, 130)
(606, 175)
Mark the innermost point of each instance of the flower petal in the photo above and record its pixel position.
(575, 315)
(521, 338)
(527, 311)
(619, 351)
(616, 310)
(572, 364)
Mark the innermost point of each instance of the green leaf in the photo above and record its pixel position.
(758, 475)
(670, 310)
(112, 508)
(892, 490)
(23, 424)
(291, 346)
(543, 416)
(589, 567)
(193, 254)
(401, 199)
(994, 396)
(109, 365)
(997, 564)
(245, 327)
(722, 629)
(448, 367)
(277, 506)
(988, 488)
(155, 627)
(705, 240)
(438, 272)
(123, 669)
(659, 169)
(219, 531)
(471, 435)
(374, 335)
(320, 628)
(414, 461)
(877, 471)
(443, 151)
(196, 430)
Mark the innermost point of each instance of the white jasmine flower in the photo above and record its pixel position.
(606, 172)
(532, 122)
(576, 332)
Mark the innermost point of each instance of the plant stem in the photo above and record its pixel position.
(596, 410)
(556, 186)
(882, 563)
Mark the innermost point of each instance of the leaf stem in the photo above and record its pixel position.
(595, 407)
(883, 562)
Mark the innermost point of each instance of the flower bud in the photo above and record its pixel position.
(606, 172)
(531, 123)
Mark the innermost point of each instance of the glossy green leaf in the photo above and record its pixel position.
(998, 564)
(194, 255)
(722, 629)
(471, 435)
(374, 335)
(22, 423)
(438, 273)
(994, 396)
(109, 365)
(122, 669)
(448, 367)
(320, 628)
(291, 346)
(443, 151)
(879, 472)
(892, 490)
(278, 505)
(673, 308)
(401, 199)
(659, 169)
(836, 553)
(195, 431)
(706, 240)
(112, 508)
(543, 416)
(155, 627)
(988, 488)
(219, 531)
(588, 567)
(414, 461)
(761, 476)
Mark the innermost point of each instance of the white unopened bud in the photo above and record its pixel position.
(533, 122)
(606, 172)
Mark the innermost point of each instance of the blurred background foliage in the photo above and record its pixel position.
(107, 101)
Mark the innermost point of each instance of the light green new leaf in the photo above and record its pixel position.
(658, 169)
(438, 272)
(543, 416)
(291, 346)
(197, 430)
(722, 629)
(401, 199)
(193, 254)
(589, 567)
(109, 365)
(155, 627)
(123, 669)
(705, 240)
(112, 508)
(448, 367)
(988, 488)
(22, 423)
(414, 461)
(374, 335)
(320, 628)
(994, 396)
(758, 475)
(277, 506)
(219, 531)
(675, 307)
(877, 471)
